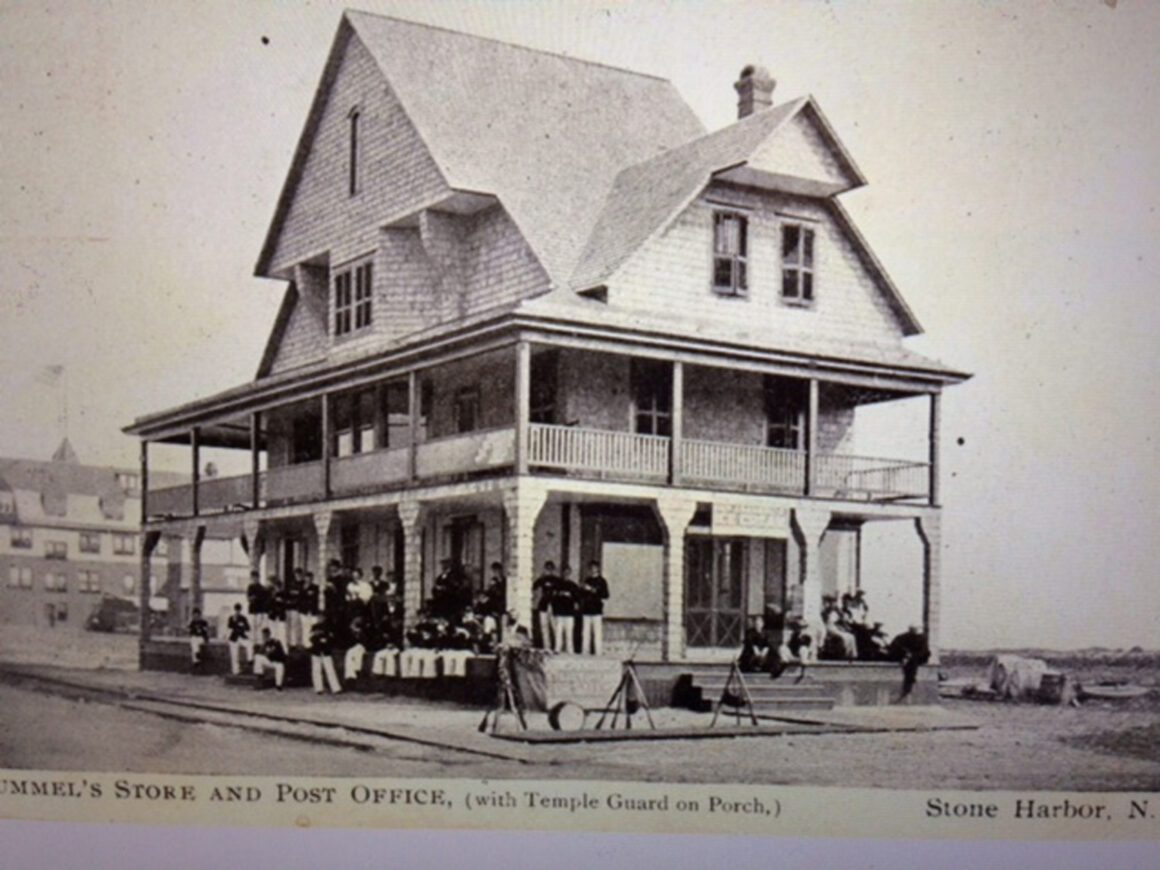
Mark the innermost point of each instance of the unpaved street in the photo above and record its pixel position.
(1016, 747)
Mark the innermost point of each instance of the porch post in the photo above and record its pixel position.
(809, 525)
(255, 465)
(195, 541)
(255, 542)
(144, 481)
(195, 453)
(522, 504)
(523, 403)
(322, 523)
(929, 530)
(145, 584)
(413, 423)
(812, 439)
(675, 512)
(411, 519)
(326, 436)
(935, 415)
(678, 420)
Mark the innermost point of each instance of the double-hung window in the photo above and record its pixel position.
(730, 252)
(353, 299)
(797, 263)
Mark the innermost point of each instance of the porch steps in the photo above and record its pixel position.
(769, 697)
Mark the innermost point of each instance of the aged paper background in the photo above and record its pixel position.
(144, 145)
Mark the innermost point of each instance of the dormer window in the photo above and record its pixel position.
(352, 156)
(797, 263)
(353, 301)
(730, 248)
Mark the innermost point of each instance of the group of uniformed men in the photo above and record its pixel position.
(560, 600)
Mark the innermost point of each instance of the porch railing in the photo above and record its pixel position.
(749, 467)
(370, 470)
(866, 478)
(467, 453)
(299, 482)
(598, 451)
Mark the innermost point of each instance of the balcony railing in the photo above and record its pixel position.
(369, 471)
(608, 455)
(466, 454)
(598, 451)
(290, 483)
(747, 467)
(866, 478)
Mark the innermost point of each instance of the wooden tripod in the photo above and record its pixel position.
(621, 702)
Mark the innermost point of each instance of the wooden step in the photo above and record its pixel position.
(768, 692)
(781, 705)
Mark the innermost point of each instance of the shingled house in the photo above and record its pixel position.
(533, 310)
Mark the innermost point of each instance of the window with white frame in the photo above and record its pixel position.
(55, 550)
(90, 542)
(89, 581)
(56, 581)
(354, 423)
(785, 411)
(20, 577)
(21, 538)
(353, 299)
(797, 263)
(730, 253)
(128, 481)
(652, 397)
(124, 544)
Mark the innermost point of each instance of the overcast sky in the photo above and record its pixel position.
(1012, 151)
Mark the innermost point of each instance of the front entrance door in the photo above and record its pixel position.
(715, 574)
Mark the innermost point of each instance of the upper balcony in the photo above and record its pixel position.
(559, 411)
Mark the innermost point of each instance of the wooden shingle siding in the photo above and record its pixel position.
(396, 171)
(673, 272)
(799, 150)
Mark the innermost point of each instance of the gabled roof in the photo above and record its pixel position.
(544, 133)
(647, 197)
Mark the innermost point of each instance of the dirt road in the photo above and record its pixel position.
(1016, 747)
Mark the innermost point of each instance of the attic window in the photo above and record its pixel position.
(797, 263)
(353, 307)
(352, 157)
(730, 247)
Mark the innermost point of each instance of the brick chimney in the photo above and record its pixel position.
(754, 90)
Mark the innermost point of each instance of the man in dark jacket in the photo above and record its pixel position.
(271, 654)
(564, 598)
(257, 601)
(321, 661)
(911, 651)
(198, 637)
(593, 594)
(239, 638)
(543, 589)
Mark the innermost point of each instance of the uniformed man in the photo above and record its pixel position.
(277, 613)
(593, 594)
(257, 601)
(308, 603)
(542, 589)
(564, 594)
(198, 637)
(911, 650)
(239, 637)
(321, 661)
(271, 654)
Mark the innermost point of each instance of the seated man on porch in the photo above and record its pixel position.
(361, 634)
(387, 637)
(755, 650)
(420, 655)
(271, 654)
(797, 649)
(838, 642)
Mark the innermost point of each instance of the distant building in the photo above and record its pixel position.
(70, 534)
(534, 311)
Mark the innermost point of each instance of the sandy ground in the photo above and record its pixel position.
(1015, 746)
